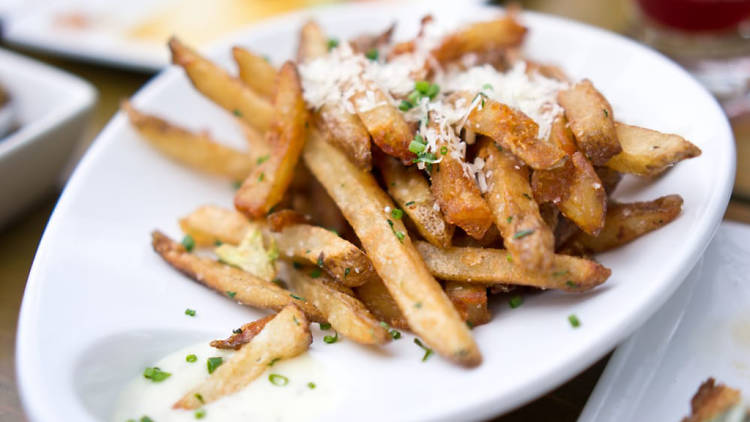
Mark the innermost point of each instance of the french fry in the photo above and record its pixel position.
(313, 42)
(609, 178)
(346, 131)
(196, 150)
(626, 222)
(315, 202)
(480, 37)
(525, 234)
(496, 266)
(459, 197)
(383, 121)
(368, 42)
(279, 220)
(346, 314)
(220, 87)
(266, 185)
(646, 152)
(412, 193)
(210, 224)
(287, 335)
(379, 301)
(255, 71)
(591, 119)
(512, 130)
(246, 333)
(424, 304)
(470, 301)
(249, 290)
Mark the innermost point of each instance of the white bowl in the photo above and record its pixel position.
(98, 296)
(52, 109)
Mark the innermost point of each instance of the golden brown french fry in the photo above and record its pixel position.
(220, 87)
(409, 188)
(266, 185)
(626, 222)
(459, 197)
(384, 122)
(423, 302)
(525, 234)
(315, 202)
(255, 71)
(196, 150)
(646, 152)
(285, 336)
(586, 202)
(512, 130)
(346, 314)
(610, 178)
(470, 301)
(313, 42)
(210, 224)
(496, 266)
(246, 333)
(346, 131)
(379, 301)
(480, 37)
(591, 119)
(278, 220)
(248, 289)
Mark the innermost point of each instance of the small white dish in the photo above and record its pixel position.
(50, 108)
(99, 297)
(702, 331)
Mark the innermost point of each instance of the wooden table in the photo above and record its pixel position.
(21, 238)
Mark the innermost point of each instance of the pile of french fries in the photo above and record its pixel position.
(340, 220)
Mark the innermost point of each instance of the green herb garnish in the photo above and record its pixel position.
(188, 242)
(230, 293)
(191, 358)
(332, 43)
(190, 312)
(324, 326)
(522, 233)
(515, 301)
(297, 297)
(213, 363)
(331, 339)
(315, 273)
(372, 54)
(278, 380)
(155, 374)
(427, 350)
(262, 159)
(574, 321)
(397, 213)
(200, 413)
(311, 385)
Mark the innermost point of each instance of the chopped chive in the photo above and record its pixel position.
(414, 97)
(237, 184)
(146, 419)
(509, 219)
(526, 195)
(320, 260)
(262, 159)
(399, 235)
(230, 293)
(261, 176)
(191, 358)
(426, 157)
(213, 363)
(199, 397)
(397, 214)
(515, 301)
(372, 54)
(470, 324)
(421, 86)
(188, 242)
(571, 284)
(237, 113)
(331, 339)
(296, 265)
(332, 43)
(155, 374)
(237, 331)
(405, 105)
(315, 273)
(395, 334)
(273, 361)
(443, 150)
(277, 281)
(427, 350)
(432, 91)
(418, 305)
(559, 273)
(574, 321)
(200, 413)
(522, 233)
(487, 87)
(190, 312)
(409, 203)
(606, 113)
(311, 385)
(218, 243)
(347, 270)
(324, 326)
(416, 147)
(508, 257)
(297, 297)
(278, 380)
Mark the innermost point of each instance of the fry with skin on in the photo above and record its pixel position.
(510, 129)
(285, 336)
(496, 266)
(470, 301)
(426, 307)
(409, 188)
(526, 236)
(255, 72)
(628, 221)
(220, 87)
(196, 150)
(592, 121)
(346, 314)
(459, 197)
(646, 152)
(246, 333)
(210, 224)
(379, 301)
(480, 37)
(278, 220)
(313, 42)
(266, 185)
(384, 122)
(249, 289)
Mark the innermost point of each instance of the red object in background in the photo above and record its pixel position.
(697, 15)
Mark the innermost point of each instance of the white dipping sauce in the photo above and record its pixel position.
(259, 401)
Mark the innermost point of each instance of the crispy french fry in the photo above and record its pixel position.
(313, 42)
(379, 301)
(626, 222)
(586, 202)
(278, 220)
(480, 37)
(525, 234)
(424, 304)
(646, 152)
(384, 122)
(249, 290)
(496, 266)
(196, 150)
(470, 301)
(459, 197)
(409, 188)
(266, 185)
(210, 224)
(316, 203)
(285, 336)
(512, 130)
(609, 178)
(255, 71)
(346, 314)
(246, 333)
(222, 88)
(346, 131)
(591, 119)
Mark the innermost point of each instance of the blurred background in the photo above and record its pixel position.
(118, 46)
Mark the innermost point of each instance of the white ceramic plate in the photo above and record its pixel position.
(97, 287)
(702, 331)
(51, 109)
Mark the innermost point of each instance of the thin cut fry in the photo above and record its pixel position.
(496, 266)
(210, 224)
(428, 310)
(313, 42)
(225, 90)
(646, 152)
(384, 122)
(480, 37)
(346, 131)
(249, 290)
(525, 234)
(379, 301)
(255, 71)
(346, 314)
(409, 188)
(278, 220)
(285, 336)
(470, 301)
(197, 150)
(586, 202)
(246, 333)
